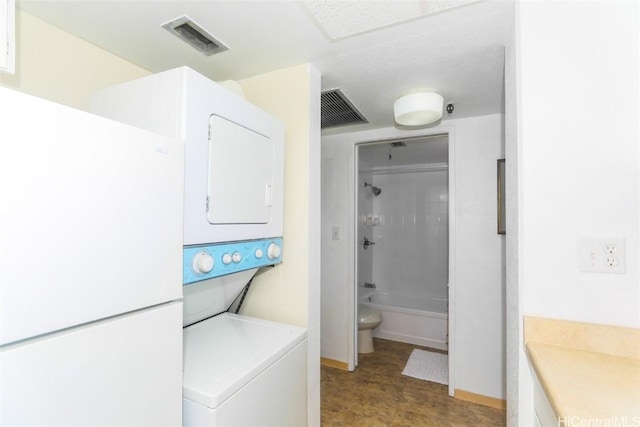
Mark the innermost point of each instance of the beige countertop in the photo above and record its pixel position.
(587, 384)
(587, 371)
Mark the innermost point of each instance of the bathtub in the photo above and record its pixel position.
(420, 320)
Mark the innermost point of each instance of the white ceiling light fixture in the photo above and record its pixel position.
(418, 108)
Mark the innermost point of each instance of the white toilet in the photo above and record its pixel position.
(368, 318)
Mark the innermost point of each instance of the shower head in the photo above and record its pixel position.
(375, 190)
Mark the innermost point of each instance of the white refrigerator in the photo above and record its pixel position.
(90, 269)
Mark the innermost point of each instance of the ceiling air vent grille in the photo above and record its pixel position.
(337, 110)
(192, 34)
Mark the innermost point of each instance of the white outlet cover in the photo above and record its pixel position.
(601, 255)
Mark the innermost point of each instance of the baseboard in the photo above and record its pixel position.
(480, 399)
(334, 364)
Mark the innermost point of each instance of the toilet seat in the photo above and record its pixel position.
(368, 314)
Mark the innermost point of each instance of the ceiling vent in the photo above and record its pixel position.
(192, 34)
(337, 110)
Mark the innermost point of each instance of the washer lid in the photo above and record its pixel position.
(224, 353)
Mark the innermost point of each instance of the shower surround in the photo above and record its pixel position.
(408, 221)
(411, 252)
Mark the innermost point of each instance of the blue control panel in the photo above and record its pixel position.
(201, 262)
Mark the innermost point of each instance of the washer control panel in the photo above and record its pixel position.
(202, 262)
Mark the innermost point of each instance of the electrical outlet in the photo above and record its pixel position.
(601, 255)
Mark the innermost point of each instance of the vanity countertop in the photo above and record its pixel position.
(587, 384)
(587, 371)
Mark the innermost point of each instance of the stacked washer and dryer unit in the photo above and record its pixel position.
(238, 370)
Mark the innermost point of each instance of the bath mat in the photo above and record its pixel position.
(428, 366)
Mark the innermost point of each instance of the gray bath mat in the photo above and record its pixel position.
(428, 366)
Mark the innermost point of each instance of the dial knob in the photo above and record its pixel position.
(273, 251)
(202, 263)
(226, 259)
(258, 253)
(236, 257)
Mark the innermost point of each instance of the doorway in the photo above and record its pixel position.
(403, 253)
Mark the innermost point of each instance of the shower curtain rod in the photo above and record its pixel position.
(434, 167)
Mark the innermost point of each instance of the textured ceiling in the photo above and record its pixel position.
(339, 19)
(344, 19)
(457, 51)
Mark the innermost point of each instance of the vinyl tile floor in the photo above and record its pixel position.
(376, 394)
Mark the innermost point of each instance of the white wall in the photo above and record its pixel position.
(514, 327)
(479, 280)
(588, 147)
(578, 134)
(479, 361)
(338, 269)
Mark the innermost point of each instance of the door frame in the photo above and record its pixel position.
(352, 302)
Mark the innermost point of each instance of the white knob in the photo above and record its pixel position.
(226, 259)
(273, 251)
(258, 253)
(202, 262)
(236, 257)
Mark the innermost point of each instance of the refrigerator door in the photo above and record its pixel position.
(121, 371)
(90, 219)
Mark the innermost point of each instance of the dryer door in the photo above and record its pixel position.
(241, 167)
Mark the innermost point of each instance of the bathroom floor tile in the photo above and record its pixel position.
(376, 394)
